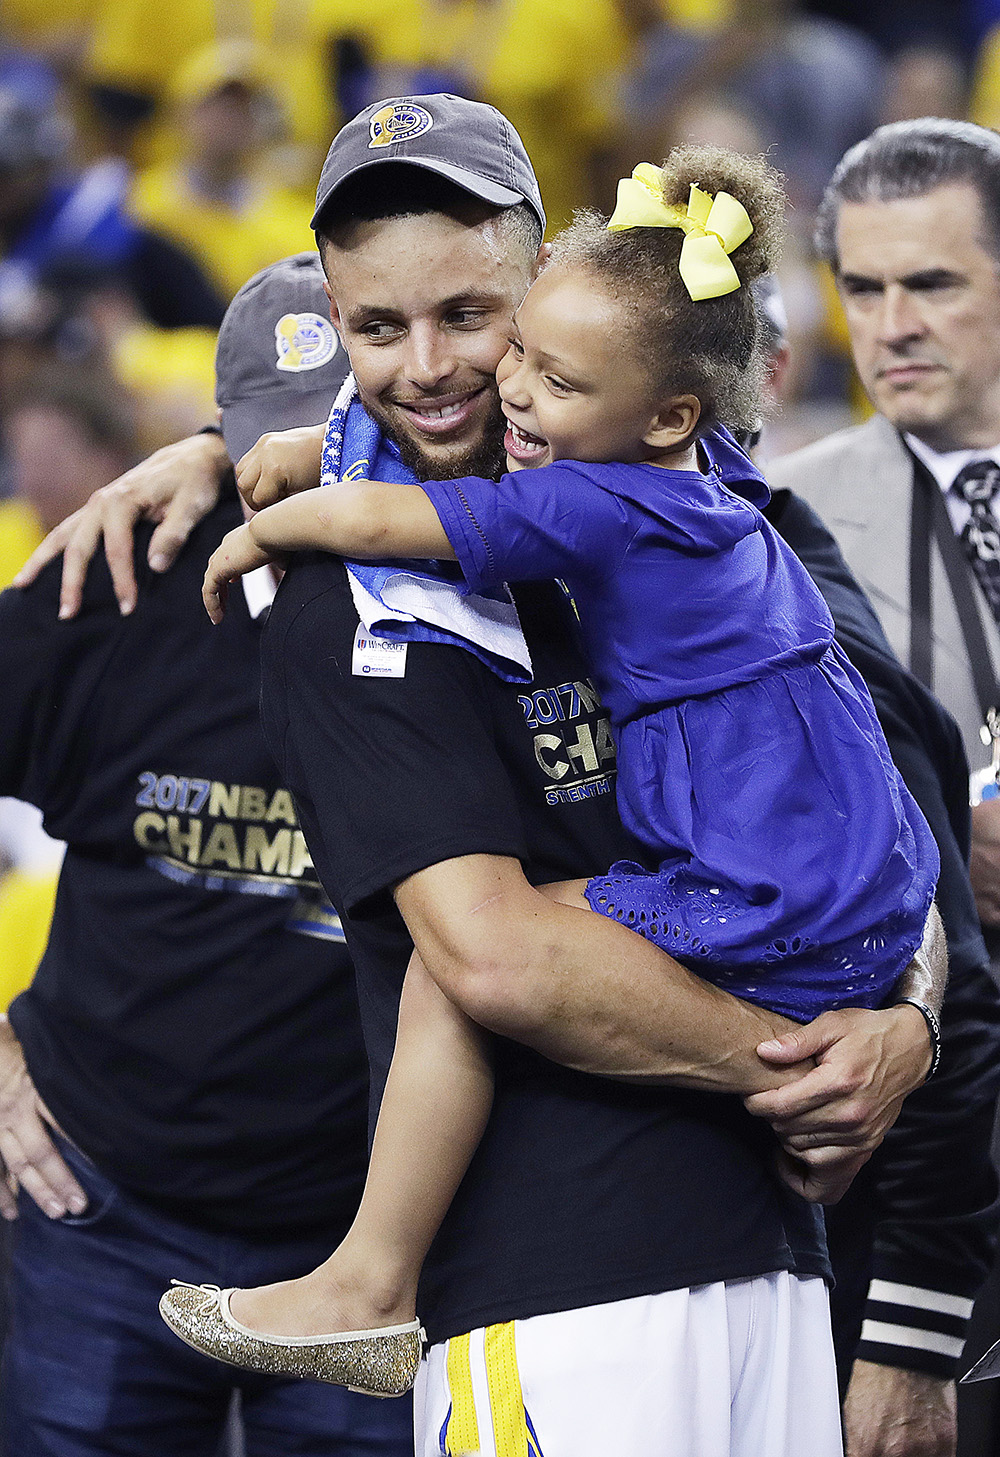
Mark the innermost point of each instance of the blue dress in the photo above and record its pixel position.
(793, 868)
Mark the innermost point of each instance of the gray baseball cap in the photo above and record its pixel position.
(279, 361)
(472, 144)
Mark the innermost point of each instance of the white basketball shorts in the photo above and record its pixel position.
(737, 1369)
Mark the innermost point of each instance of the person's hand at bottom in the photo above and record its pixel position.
(822, 1174)
(831, 1120)
(891, 1412)
(28, 1157)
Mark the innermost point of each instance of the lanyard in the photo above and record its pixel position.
(929, 515)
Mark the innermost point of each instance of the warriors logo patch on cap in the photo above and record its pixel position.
(304, 341)
(398, 122)
(469, 143)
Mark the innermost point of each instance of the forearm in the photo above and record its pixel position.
(923, 982)
(927, 974)
(577, 987)
(365, 520)
(309, 521)
(897, 1413)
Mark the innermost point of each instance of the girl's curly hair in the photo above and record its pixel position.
(714, 349)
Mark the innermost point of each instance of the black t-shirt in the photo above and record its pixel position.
(193, 1025)
(583, 1190)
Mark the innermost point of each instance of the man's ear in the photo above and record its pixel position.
(777, 369)
(674, 422)
(541, 259)
(334, 311)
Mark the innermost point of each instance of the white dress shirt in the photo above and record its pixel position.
(259, 587)
(945, 466)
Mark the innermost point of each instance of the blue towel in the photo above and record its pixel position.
(416, 601)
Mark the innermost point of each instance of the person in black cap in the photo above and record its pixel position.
(588, 1200)
(185, 1078)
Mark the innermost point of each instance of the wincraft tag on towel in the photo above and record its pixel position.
(377, 657)
(986, 1366)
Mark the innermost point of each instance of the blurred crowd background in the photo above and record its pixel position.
(154, 156)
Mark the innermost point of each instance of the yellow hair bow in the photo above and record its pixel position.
(712, 227)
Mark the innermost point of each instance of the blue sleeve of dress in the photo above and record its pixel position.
(532, 525)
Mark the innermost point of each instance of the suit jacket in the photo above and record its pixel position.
(860, 481)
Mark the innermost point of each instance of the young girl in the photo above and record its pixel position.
(791, 867)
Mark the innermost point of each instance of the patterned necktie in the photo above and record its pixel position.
(978, 484)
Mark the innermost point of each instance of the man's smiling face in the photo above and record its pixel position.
(921, 291)
(423, 305)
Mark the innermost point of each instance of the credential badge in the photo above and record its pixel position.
(398, 122)
(377, 657)
(304, 341)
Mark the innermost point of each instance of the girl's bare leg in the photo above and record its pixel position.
(437, 1100)
(435, 1107)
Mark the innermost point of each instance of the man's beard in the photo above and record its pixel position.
(486, 459)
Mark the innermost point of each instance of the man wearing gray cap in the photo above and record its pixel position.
(578, 1296)
(585, 1292)
(184, 1081)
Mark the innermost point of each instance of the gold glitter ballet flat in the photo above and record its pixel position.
(377, 1363)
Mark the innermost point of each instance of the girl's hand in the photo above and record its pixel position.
(282, 463)
(236, 554)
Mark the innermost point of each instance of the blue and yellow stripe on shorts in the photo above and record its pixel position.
(513, 1433)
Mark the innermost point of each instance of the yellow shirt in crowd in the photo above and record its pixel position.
(171, 373)
(20, 532)
(26, 905)
(141, 48)
(696, 14)
(550, 65)
(984, 105)
(231, 243)
(26, 900)
(35, 24)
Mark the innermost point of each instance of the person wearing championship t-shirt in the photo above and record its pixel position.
(596, 1219)
(185, 1079)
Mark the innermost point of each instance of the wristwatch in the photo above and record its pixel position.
(933, 1027)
